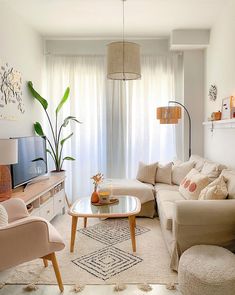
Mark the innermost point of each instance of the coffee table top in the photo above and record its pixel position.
(127, 206)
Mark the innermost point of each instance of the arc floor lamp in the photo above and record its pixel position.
(171, 115)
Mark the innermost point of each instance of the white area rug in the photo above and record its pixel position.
(104, 259)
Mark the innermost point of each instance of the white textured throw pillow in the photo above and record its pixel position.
(229, 176)
(179, 171)
(198, 161)
(146, 173)
(192, 185)
(3, 216)
(216, 190)
(212, 170)
(163, 174)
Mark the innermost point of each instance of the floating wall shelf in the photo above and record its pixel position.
(229, 123)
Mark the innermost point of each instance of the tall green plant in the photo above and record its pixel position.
(56, 144)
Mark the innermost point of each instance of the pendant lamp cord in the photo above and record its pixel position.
(123, 39)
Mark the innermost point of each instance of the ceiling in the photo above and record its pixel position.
(103, 18)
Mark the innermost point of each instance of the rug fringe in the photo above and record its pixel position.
(171, 286)
(78, 288)
(2, 285)
(119, 287)
(145, 287)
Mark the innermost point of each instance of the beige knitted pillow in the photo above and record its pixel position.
(3, 216)
(216, 190)
(163, 174)
(192, 185)
(179, 171)
(146, 173)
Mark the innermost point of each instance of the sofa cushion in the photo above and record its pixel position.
(164, 186)
(179, 171)
(193, 184)
(146, 173)
(165, 201)
(198, 161)
(212, 169)
(163, 174)
(229, 175)
(168, 196)
(216, 190)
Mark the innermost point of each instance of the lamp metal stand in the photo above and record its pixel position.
(190, 124)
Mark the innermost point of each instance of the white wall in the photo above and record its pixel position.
(22, 48)
(220, 70)
(193, 98)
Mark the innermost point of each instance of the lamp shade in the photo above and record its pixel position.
(123, 61)
(8, 151)
(169, 115)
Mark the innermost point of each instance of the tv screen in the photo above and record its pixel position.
(32, 160)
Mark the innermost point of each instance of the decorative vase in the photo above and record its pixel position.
(95, 196)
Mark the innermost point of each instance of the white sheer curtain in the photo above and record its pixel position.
(119, 118)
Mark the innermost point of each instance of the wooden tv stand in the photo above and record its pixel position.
(47, 197)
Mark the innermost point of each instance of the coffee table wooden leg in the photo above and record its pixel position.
(73, 232)
(85, 222)
(132, 231)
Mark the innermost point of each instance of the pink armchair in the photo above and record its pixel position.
(26, 238)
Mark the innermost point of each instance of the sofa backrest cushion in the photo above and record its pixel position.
(212, 169)
(198, 161)
(3, 216)
(179, 171)
(147, 173)
(216, 190)
(192, 185)
(229, 175)
(163, 174)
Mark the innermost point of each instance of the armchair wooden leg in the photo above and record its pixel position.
(53, 259)
(45, 262)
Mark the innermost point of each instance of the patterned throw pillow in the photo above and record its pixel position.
(3, 216)
(163, 174)
(192, 185)
(146, 173)
(216, 190)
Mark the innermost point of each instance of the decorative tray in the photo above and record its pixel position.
(111, 202)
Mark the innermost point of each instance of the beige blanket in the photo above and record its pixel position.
(143, 191)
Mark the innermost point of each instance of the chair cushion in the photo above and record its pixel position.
(146, 173)
(169, 196)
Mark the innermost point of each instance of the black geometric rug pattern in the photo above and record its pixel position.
(107, 262)
(112, 231)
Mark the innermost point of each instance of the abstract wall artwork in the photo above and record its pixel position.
(11, 101)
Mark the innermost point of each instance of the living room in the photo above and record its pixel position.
(117, 168)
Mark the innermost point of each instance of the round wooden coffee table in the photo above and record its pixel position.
(128, 206)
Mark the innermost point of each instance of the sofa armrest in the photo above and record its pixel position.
(16, 209)
(206, 212)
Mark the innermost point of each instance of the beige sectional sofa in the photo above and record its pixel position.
(185, 222)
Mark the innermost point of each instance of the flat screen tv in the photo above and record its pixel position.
(32, 160)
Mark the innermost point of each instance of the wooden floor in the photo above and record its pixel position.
(89, 290)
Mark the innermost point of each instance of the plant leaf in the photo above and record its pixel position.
(72, 118)
(38, 129)
(36, 95)
(63, 140)
(69, 159)
(63, 100)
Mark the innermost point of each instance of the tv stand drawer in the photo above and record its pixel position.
(47, 210)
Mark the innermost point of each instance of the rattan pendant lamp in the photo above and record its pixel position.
(123, 58)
